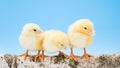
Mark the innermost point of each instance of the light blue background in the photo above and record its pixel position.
(59, 14)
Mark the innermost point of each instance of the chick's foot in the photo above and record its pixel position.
(25, 55)
(86, 56)
(72, 56)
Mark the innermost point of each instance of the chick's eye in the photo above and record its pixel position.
(61, 44)
(34, 30)
(85, 28)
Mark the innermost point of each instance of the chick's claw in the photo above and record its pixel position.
(42, 57)
(86, 56)
(72, 57)
(25, 55)
(37, 56)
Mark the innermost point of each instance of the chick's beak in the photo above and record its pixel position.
(64, 48)
(90, 32)
(39, 32)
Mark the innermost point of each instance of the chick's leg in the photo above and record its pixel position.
(37, 56)
(25, 55)
(42, 55)
(86, 55)
(72, 56)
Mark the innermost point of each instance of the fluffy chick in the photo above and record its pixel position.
(30, 38)
(80, 35)
(54, 41)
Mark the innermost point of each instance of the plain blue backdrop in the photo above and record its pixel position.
(59, 14)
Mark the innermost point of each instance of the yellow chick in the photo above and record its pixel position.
(30, 38)
(54, 41)
(80, 35)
